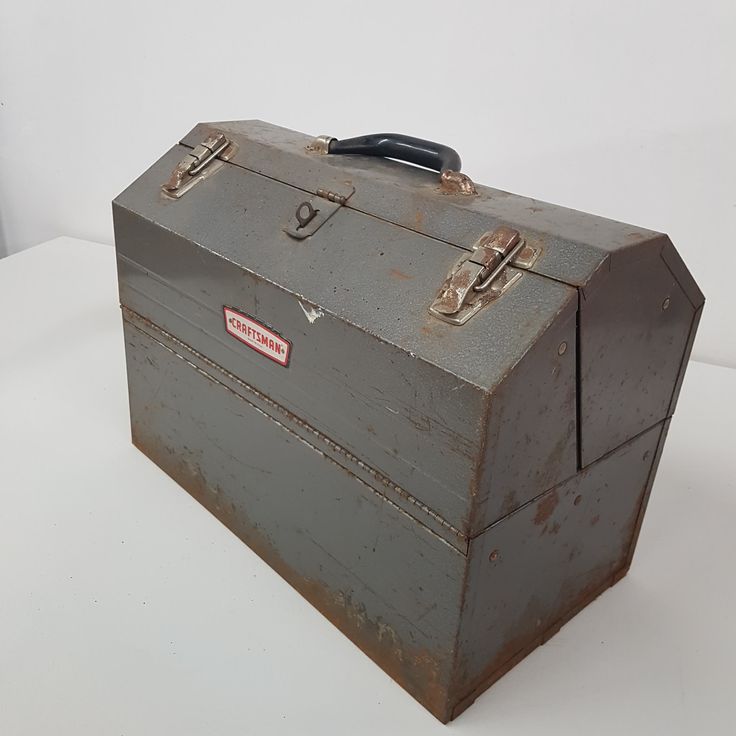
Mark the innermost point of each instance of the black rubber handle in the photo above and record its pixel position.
(403, 147)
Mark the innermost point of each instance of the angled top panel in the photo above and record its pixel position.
(574, 244)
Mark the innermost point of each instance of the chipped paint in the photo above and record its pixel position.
(311, 313)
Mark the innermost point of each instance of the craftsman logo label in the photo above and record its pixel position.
(257, 336)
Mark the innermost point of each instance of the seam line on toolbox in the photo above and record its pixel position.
(329, 459)
(179, 315)
(571, 477)
(644, 500)
(225, 343)
(304, 425)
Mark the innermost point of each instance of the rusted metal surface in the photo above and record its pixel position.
(456, 288)
(591, 563)
(160, 421)
(198, 163)
(416, 670)
(572, 541)
(576, 243)
(320, 144)
(448, 495)
(634, 331)
(408, 401)
(476, 272)
(198, 157)
(390, 586)
(455, 182)
(393, 493)
(655, 456)
(517, 649)
(531, 442)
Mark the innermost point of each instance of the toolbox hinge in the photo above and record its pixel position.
(312, 213)
(202, 161)
(482, 275)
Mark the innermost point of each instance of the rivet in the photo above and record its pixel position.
(561, 350)
(493, 556)
(666, 304)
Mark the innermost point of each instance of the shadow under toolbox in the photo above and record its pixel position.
(434, 408)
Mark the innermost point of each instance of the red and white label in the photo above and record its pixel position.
(257, 336)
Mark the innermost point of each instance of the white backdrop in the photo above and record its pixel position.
(626, 109)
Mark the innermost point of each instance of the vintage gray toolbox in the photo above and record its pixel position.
(436, 409)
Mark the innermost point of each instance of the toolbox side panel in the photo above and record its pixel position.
(635, 326)
(536, 568)
(387, 582)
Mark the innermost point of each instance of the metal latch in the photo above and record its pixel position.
(202, 161)
(312, 213)
(482, 275)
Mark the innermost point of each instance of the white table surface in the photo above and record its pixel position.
(125, 608)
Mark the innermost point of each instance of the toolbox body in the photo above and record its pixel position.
(447, 487)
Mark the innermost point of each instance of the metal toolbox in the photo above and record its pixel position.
(436, 409)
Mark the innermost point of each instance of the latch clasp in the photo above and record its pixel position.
(201, 161)
(482, 275)
(312, 213)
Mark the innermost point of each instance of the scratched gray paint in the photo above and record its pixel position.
(414, 412)
(532, 426)
(578, 243)
(447, 439)
(579, 249)
(331, 528)
(337, 532)
(546, 562)
(307, 432)
(631, 352)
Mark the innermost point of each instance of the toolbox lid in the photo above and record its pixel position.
(575, 245)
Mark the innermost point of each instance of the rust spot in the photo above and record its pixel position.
(535, 626)
(525, 255)
(509, 502)
(555, 528)
(546, 507)
(399, 275)
(418, 671)
(493, 556)
(595, 519)
(450, 298)
(419, 220)
(453, 182)
(577, 500)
